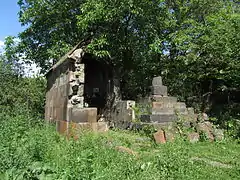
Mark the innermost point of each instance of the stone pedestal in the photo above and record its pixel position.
(164, 108)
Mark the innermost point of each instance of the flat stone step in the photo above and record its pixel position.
(169, 108)
(169, 111)
(163, 99)
(163, 111)
(158, 118)
(159, 90)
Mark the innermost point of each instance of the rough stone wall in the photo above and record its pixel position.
(65, 104)
(57, 94)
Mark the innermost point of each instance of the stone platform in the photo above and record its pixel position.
(164, 108)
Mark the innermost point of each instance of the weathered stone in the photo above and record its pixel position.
(189, 117)
(75, 129)
(169, 135)
(218, 134)
(159, 137)
(73, 88)
(79, 115)
(203, 117)
(62, 79)
(190, 111)
(159, 90)
(193, 137)
(62, 127)
(126, 150)
(163, 111)
(163, 105)
(71, 76)
(79, 74)
(80, 91)
(157, 81)
(206, 128)
(123, 112)
(77, 55)
(77, 100)
(158, 118)
(100, 127)
(163, 99)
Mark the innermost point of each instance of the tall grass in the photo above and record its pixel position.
(30, 149)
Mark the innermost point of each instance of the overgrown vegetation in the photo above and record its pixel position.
(193, 44)
(32, 150)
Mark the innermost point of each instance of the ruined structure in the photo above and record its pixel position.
(81, 93)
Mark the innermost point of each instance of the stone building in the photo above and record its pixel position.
(82, 92)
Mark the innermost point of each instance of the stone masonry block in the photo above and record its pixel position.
(207, 129)
(159, 90)
(62, 127)
(163, 111)
(164, 99)
(100, 127)
(159, 137)
(169, 135)
(193, 137)
(79, 74)
(80, 115)
(157, 81)
(158, 118)
(159, 105)
(218, 134)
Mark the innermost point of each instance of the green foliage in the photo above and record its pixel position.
(19, 93)
(32, 150)
(193, 44)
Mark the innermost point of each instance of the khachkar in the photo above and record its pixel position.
(164, 108)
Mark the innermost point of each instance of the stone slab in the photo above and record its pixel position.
(157, 81)
(159, 137)
(81, 115)
(163, 99)
(163, 111)
(62, 127)
(100, 126)
(159, 90)
(193, 137)
(169, 135)
(207, 129)
(218, 134)
(123, 112)
(158, 118)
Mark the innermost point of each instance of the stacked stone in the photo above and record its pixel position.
(66, 98)
(164, 108)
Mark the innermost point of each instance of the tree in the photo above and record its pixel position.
(121, 32)
(180, 39)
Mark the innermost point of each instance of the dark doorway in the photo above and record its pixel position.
(98, 80)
